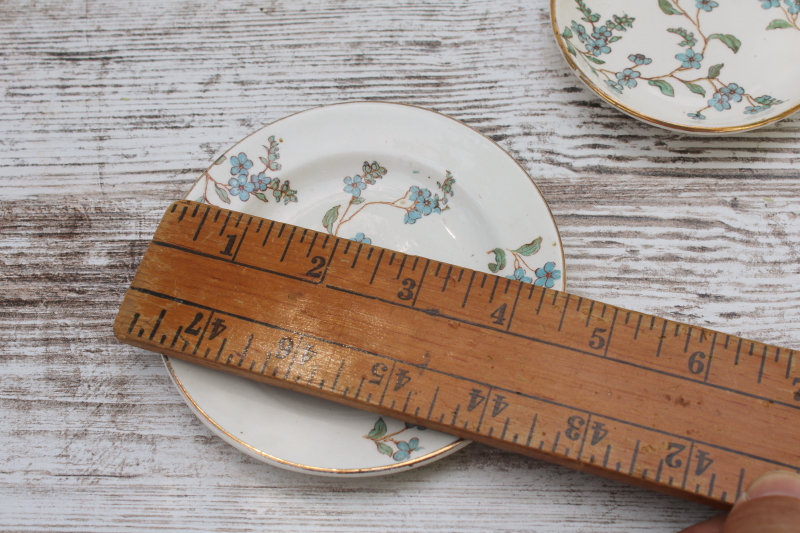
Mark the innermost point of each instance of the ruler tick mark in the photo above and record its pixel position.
(377, 264)
(619, 465)
(260, 223)
(280, 231)
(541, 299)
(347, 249)
(455, 415)
(555, 298)
(738, 351)
(608, 454)
(627, 318)
(283, 255)
(789, 364)
(563, 313)
(325, 242)
(763, 360)
(711, 484)
(421, 280)
(710, 357)
(739, 486)
(311, 246)
(369, 255)
(589, 314)
(173, 208)
(241, 240)
(514, 307)
(355, 259)
(238, 220)
(405, 405)
(461, 274)
(661, 339)
(777, 355)
(303, 236)
(360, 384)
(414, 266)
(438, 268)
(391, 259)
(533, 427)
(494, 288)
(183, 213)
(133, 322)
(633, 461)
(141, 332)
(638, 325)
(505, 428)
(433, 402)
(225, 224)
(202, 222)
(339, 373)
(652, 322)
(447, 278)
(677, 329)
(177, 334)
(271, 224)
(752, 347)
(221, 347)
(471, 279)
(688, 338)
(402, 265)
(483, 281)
(660, 468)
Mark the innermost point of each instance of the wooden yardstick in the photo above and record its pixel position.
(668, 406)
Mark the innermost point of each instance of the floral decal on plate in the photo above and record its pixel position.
(546, 276)
(790, 9)
(399, 450)
(416, 203)
(719, 95)
(246, 182)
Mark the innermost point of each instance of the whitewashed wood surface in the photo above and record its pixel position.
(109, 111)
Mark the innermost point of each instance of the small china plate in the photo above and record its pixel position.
(395, 176)
(697, 66)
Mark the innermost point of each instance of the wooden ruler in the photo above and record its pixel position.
(655, 403)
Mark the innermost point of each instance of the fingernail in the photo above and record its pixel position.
(777, 483)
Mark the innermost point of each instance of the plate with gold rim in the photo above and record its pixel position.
(698, 66)
(392, 175)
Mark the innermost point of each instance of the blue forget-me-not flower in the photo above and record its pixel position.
(354, 185)
(241, 187)
(240, 164)
(690, 59)
(546, 276)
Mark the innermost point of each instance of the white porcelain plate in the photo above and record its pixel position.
(700, 66)
(395, 176)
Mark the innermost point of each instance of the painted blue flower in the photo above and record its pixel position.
(519, 275)
(690, 59)
(404, 449)
(640, 59)
(360, 237)
(241, 187)
(415, 194)
(580, 31)
(793, 5)
(602, 34)
(261, 181)
(614, 86)
(720, 101)
(547, 276)
(240, 164)
(733, 91)
(428, 205)
(706, 5)
(354, 185)
(696, 116)
(766, 4)
(752, 110)
(412, 215)
(627, 77)
(597, 47)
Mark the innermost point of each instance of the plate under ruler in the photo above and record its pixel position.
(669, 406)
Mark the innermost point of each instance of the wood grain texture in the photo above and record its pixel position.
(109, 111)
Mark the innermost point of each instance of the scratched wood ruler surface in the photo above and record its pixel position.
(655, 403)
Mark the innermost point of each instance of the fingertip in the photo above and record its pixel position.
(775, 483)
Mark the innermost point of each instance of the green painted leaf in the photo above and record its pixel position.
(730, 41)
(614, 39)
(264, 160)
(667, 7)
(665, 87)
(714, 71)
(202, 200)
(567, 33)
(696, 89)
(356, 201)
(222, 193)
(529, 249)
(261, 196)
(594, 59)
(595, 72)
(378, 431)
(777, 24)
(330, 217)
(221, 159)
(384, 449)
(571, 48)
(500, 258)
